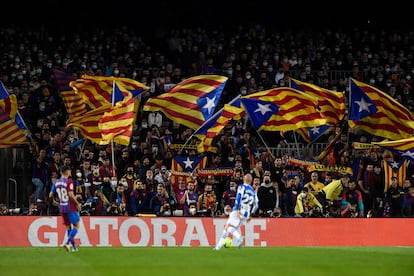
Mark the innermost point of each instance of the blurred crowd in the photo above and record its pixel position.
(137, 180)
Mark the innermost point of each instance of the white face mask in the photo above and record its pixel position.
(79, 174)
(233, 189)
(304, 195)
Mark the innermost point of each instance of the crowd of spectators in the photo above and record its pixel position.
(136, 179)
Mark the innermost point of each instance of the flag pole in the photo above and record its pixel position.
(294, 132)
(112, 140)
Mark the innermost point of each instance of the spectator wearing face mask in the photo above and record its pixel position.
(229, 195)
(268, 197)
(130, 177)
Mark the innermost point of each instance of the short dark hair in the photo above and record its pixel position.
(65, 169)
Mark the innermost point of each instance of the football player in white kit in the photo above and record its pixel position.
(246, 203)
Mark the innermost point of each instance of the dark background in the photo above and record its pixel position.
(149, 15)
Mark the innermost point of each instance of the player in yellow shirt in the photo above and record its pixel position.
(332, 191)
(306, 204)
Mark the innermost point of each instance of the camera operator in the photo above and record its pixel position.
(307, 205)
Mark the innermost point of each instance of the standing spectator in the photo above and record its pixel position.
(268, 198)
(394, 196)
(159, 203)
(229, 195)
(408, 203)
(180, 193)
(191, 198)
(140, 199)
(131, 177)
(120, 201)
(207, 201)
(352, 202)
(314, 185)
(39, 175)
(276, 173)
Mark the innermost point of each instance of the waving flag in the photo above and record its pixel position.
(282, 109)
(212, 127)
(96, 91)
(311, 134)
(13, 130)
(63, 80)
(191, 102)
(88, 124)
(116, 123)
(331, 104)
(74, 103)
(378, 114)
(402, 147)
(10, 134)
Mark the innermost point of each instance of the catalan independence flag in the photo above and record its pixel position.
(282, 109)
(96, 91)
(330, 103)
(62, 80)
(13, 130)
(88, 124)
(394, 168)
(213, 126)
(74, 103)
(116, 123)
(191, 102)
(377, 113)
(10, 134)
(402, 147)
(183, 166)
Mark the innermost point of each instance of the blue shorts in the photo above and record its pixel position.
(70, 218)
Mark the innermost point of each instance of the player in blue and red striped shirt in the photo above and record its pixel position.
(69, 207)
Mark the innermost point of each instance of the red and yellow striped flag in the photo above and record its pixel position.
(117, 122)
(96, 91)
(282, 109)
(190, 102)
(378, 113)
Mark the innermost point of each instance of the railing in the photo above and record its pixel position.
(10, 182)
(299, 150)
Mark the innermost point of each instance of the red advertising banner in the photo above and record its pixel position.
(38, 231)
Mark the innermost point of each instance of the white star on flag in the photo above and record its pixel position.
(394, 165)
(409, 154)
(210, 105)
(188, 163)
(263, 108)
(315, 130)
(363, 105)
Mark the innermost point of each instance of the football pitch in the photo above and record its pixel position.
(252, 261)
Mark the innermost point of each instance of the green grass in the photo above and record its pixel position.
(252, 261)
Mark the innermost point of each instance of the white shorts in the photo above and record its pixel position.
(235, 220)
